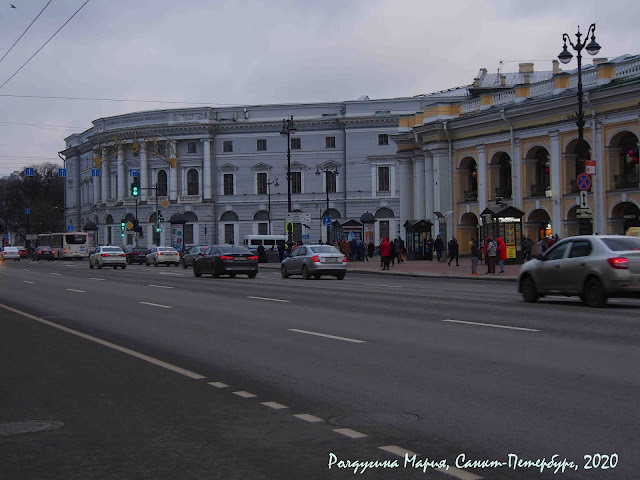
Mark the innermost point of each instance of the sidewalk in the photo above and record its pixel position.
(425, 268)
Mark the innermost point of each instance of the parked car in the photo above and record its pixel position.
(11, 253)
(226, 260)
(108, 256)
(593, 267)
(24, 253)
(192, 253)
(43, 252)
(136, 254)
(163, 255)
(315, 261)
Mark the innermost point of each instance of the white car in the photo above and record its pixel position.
(108, 256)
(11, 253)
(166, 255)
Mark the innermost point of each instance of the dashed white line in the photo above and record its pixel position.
(69, 265)
(92, 278)
(399, 451)
(175, 274)
(159, 286)
(491, 325)
(308, 418)
(54, 273)
(344, 339)
(244, 394)
(218, 384)
(155, 305)
(74, 290)
(349, 433)
(28, 281)
(26, 269)
(270, 299)
(274, 405)
(380, 285)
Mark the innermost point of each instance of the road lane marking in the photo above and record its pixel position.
(74, 290)
(54, 273)
(308, 418)
(218, 384)
(26, 269)
(274, 405)
(399, 451)
(491, 325)
(69, 265)
(155, 305)
(349, 433)
(344, 339)
(379, 285)
(175, 274)
(141, 356)
(92, 278)
(244, 394)
(159, 286)
(270, 299)
(28, 281)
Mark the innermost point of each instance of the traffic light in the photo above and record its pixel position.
(158, 228)
(289, 227)
(123, 226)
(135, 189)
(160, 217)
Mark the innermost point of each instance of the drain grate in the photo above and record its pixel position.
(373, 419)
(29, 426)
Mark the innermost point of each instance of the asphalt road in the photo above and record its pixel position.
(439, 367)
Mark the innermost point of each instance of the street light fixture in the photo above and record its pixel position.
(332, 170)
(565, 57)
(275, 183)
(288, 127)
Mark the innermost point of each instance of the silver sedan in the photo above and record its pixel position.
(593, 267)
(108, 256)
(315, 261)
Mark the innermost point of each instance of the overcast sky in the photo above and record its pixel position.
(257, 52)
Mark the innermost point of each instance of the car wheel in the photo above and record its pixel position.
(252, 274)
(529, 290)
(594, 294)
(196, 273)
(177, 264)
(213, 271)
(340, 276)
(128, 261)
(124, 266)
(99, 265)
(305, 273)
(283, 272)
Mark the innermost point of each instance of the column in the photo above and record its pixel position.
(516, 175)
(206, 170)
(482, 178)
(97, 184)
(105, 175)
(556, 187)
(599, 205)
(144, 172)
(121, 174)
(428, 182)
(418, 187)
(406, 197)
(173, 173)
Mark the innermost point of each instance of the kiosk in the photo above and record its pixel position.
(505, 223)
(418, 233)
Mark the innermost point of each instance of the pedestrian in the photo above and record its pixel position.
(430, 247)
(542, 245)
(262, 257)
(353, 248)
(392, 253)
(385, 252)
(527, 246)
(475, 256)
(453, 251)
(281, 251)
(490, 251)
(502, 253)
(361, 250)
(401, 250)
(438, 246)
(371, 248)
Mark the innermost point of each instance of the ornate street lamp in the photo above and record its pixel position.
(288, 127)
(275, 183)
(333, 170)
(565, 57)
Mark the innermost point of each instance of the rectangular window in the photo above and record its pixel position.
(263, 229)
(261, 183)
(295, 144)
(383, 179)
(331, 182)
(227, 184)
(191, 147)
(227, 146)
(383, 139)
(228, 233)
(329, 142)
(187, 235)
(296, 182)
(261, 144)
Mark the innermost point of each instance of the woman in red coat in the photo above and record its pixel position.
(502, 253)
(385, 251)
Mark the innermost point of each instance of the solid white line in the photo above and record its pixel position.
(244, 394)
(399, 451)
(133, 353)
(491, 325)
(327, 336)
(271, 299)
(28, 281)
(159, 286)
(155, 305)
(92, 278)
(74, 290)
(274, 405)
(218, 384)
(308, 418)
(347, 432)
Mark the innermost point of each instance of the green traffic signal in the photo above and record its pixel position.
(134, 190)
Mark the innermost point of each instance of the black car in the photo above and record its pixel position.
(226, 260)
(191, 253)
(43, 253)
(136, 255)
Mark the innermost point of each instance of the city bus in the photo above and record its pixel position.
(66, 245)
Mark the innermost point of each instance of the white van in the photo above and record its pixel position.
(268, 241)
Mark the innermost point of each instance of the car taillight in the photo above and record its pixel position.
(344, 259)
(201, 254)
(315, 258)
(254, 257)
(104, 254)
(226, 257)
(619, 263)
(123, 254)
(65, 250)
(159, 253)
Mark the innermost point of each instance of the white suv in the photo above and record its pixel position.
(108, 256)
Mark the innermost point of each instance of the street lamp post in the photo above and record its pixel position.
(327, 172)
(565, 57)
(288, 127)
(275, 183)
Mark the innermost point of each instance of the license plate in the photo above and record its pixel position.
(239, 258)
(332, 260)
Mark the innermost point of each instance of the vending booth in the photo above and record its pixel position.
(505, 223)
(418, 233)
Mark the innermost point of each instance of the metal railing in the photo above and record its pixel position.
(630, 180)
(539, 190)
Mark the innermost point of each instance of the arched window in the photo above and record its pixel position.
(162, 183)
(504, 189)
(384, 212)
(229, 217)
(333, 213)
(261, 215)
(193, 186)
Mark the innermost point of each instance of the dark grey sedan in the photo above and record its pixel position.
(191, 254)
(315, 261)
(226, 260)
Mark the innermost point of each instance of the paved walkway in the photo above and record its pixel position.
(425, 268)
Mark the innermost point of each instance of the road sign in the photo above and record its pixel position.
(548, 193)
(590, 167)
(165, 203)
(133, 172)
(583, 199)
(306, 237)
(28, 172)
(584, 213)
(129, 225)
(95, 172)
(62, 172)
(583, 181)
(326, 220)
(27, 211)
(69, 228)
(298, 217)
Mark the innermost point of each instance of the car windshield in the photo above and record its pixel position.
(622, 243)
(233, 249)
(42, 247)
(324, 249)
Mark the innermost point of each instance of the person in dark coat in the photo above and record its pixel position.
(392, 253)
(371, 249)
(438, 246)
(453, 251)
(262, 255)
(475, 256)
